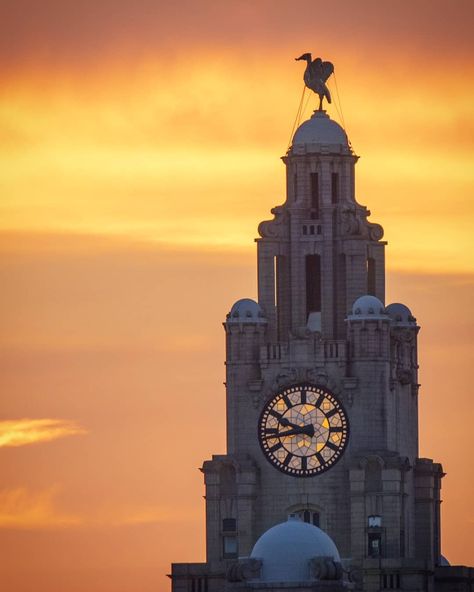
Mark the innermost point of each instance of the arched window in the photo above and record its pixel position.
(307, 515)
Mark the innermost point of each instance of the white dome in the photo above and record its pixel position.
(246, 310)
(286, 550)
(321, 131)
(400, 314)
(368, 307)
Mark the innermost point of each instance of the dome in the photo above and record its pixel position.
(321, 132)
(246, 310)
(286, 549)
(400, 314)
(367, 307)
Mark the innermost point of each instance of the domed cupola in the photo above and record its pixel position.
(287, 550)
(320, 134)
(400, 315)
(368, 308)
(246, 310)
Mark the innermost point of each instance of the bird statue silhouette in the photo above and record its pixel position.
(315, 76)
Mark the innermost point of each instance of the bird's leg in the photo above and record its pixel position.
(320, 103)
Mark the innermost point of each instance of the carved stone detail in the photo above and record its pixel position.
(277, 227)
(325, 568)
(245, 568)
(353, 222)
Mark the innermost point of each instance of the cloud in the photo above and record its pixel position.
(20, 432)
(24, 509)
(20, 508)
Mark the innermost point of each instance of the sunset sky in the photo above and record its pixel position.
(140, 148)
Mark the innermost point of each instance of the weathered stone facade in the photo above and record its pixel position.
(380, 503)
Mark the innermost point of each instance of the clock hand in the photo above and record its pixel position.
(307, 429)
(286, 422)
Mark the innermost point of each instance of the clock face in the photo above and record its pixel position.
(303, 430)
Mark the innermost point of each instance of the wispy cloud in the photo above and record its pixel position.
(20, 432)
(20, 508)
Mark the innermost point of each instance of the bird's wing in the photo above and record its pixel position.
(327, 68)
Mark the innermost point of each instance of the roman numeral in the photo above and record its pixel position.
(335, 430)
(286, 462)
(332, 446)
(287, 401)
(304, 463)
(275, 447)
(275, 414)
(332, 412)
(303, 396)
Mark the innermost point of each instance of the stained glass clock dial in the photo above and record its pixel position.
(303, 430)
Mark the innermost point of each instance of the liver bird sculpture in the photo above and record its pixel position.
(315, 76)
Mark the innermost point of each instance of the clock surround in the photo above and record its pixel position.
(303, 430)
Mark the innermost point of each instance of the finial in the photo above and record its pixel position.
(315, 76)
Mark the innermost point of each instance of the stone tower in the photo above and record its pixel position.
(322, 393)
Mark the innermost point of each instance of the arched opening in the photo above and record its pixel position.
(371, 276)
(313, 291)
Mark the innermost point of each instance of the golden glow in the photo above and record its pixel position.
(21, 432)
(133, 177)
(325, 423)
(20, 508)
(169, 164)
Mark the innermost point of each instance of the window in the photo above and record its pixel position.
(334, 188)
(391, 581)
(374, 521)
(199, 584)
(229, 525)
(371, 276)
(230, 547)
(309, 516)
(313, 284)
(375, 544)
(314, 195)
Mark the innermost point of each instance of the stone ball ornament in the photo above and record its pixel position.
(303, 430)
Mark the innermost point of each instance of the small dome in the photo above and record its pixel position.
(400, 314)
(246, 310)
(286, 549)
(368, 307)
(320, 131)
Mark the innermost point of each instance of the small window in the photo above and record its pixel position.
(199, 584)
(311, 229)
(229, 525)
(375, 545)
(315, 195)
(309, 516)
(334, 188)
(305, 229)
(374, 521)
(371, 276)
(391, 581)
(230, 546)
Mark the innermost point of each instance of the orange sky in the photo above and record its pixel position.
(140, 147)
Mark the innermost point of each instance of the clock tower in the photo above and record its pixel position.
(322, 403)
